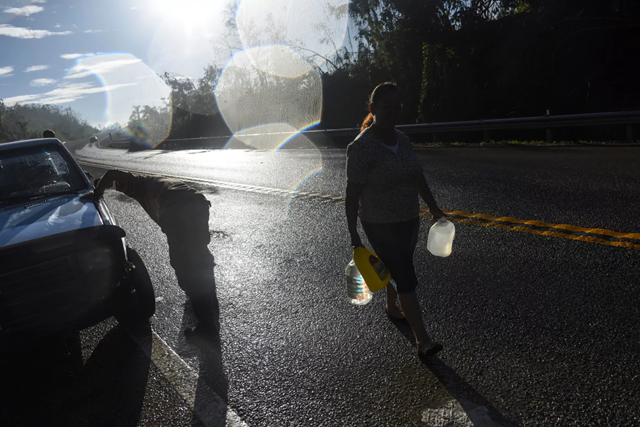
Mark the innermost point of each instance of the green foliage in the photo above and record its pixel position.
(458, 60)
(478, 59)
(29, 121)
(190, 112)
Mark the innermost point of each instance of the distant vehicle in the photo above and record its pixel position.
(93, 139)
(64, 262)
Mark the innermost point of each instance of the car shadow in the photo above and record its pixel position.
(55, 386)
(479, 410)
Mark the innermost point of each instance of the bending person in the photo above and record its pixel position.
(183, 215)
(384, 180)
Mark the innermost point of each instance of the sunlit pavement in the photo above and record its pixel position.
(537, 330)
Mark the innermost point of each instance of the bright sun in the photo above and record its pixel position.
(189, 11)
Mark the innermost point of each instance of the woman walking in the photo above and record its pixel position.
(384, 180)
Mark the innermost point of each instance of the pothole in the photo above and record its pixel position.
(217, 234)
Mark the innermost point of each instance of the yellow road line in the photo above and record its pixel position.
(590, 239)
(469, 218)
(564, 227)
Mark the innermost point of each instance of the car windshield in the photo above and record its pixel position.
(36, 173)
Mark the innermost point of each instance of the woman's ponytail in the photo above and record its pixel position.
(367, 122)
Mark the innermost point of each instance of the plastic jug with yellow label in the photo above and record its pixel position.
(357, 291)
(373, 270)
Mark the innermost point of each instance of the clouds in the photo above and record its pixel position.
(76, 55)
(27, 33)
(65, 93)
(36, 68)
(24, 11)
(103, 67)
(68, 92)
(42, 82)
(6, 71)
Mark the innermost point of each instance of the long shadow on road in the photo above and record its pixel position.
(478, 409)
(211, 390)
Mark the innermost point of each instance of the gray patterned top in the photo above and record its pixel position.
(390, 192)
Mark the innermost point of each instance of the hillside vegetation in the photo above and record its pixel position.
(29, 121)
(459, 60)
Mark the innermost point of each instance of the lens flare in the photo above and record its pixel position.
(186, 42)
(315, 29)
(267, 137)
(252, 101)
(295, 189)
(294, 141)
(279, 60)
(19, 9)
(141, 100)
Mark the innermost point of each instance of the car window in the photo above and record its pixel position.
(37, 172)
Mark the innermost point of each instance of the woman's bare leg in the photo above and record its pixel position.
(411, 306)
(392, 308)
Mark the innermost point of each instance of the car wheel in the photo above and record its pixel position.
(144, 299)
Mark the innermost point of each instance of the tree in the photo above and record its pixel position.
(474, 59)
(392, 35)
(28, 121)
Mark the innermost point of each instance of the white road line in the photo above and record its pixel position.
(452, 414)
(206, 404)
(229, 185)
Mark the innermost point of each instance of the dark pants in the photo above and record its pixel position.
(395, 244)
(186, 224)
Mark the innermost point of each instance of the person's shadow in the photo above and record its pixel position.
(53, 387)
(211, 394)
(479, 410)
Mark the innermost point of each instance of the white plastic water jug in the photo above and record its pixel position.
(440, 240)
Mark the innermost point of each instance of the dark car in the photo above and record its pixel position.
(94, 138)
(64, 262)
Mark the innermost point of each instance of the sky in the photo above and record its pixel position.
(102, 57)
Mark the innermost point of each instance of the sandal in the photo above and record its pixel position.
(394, 316)
(430, 350)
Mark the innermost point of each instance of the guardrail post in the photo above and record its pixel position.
(629, 133)
(549, 136)
(485, 135)
(435, 137)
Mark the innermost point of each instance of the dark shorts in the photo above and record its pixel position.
(395, 244)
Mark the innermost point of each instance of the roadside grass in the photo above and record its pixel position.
(513, 142)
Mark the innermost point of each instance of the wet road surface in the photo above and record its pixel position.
(537, 330)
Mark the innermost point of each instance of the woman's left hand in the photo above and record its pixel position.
(436, 213)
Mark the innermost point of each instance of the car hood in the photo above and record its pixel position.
(43, 218)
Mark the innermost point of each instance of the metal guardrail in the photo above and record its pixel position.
(628, 118)
(548, 122)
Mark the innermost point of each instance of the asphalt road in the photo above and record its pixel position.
(537, 329)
